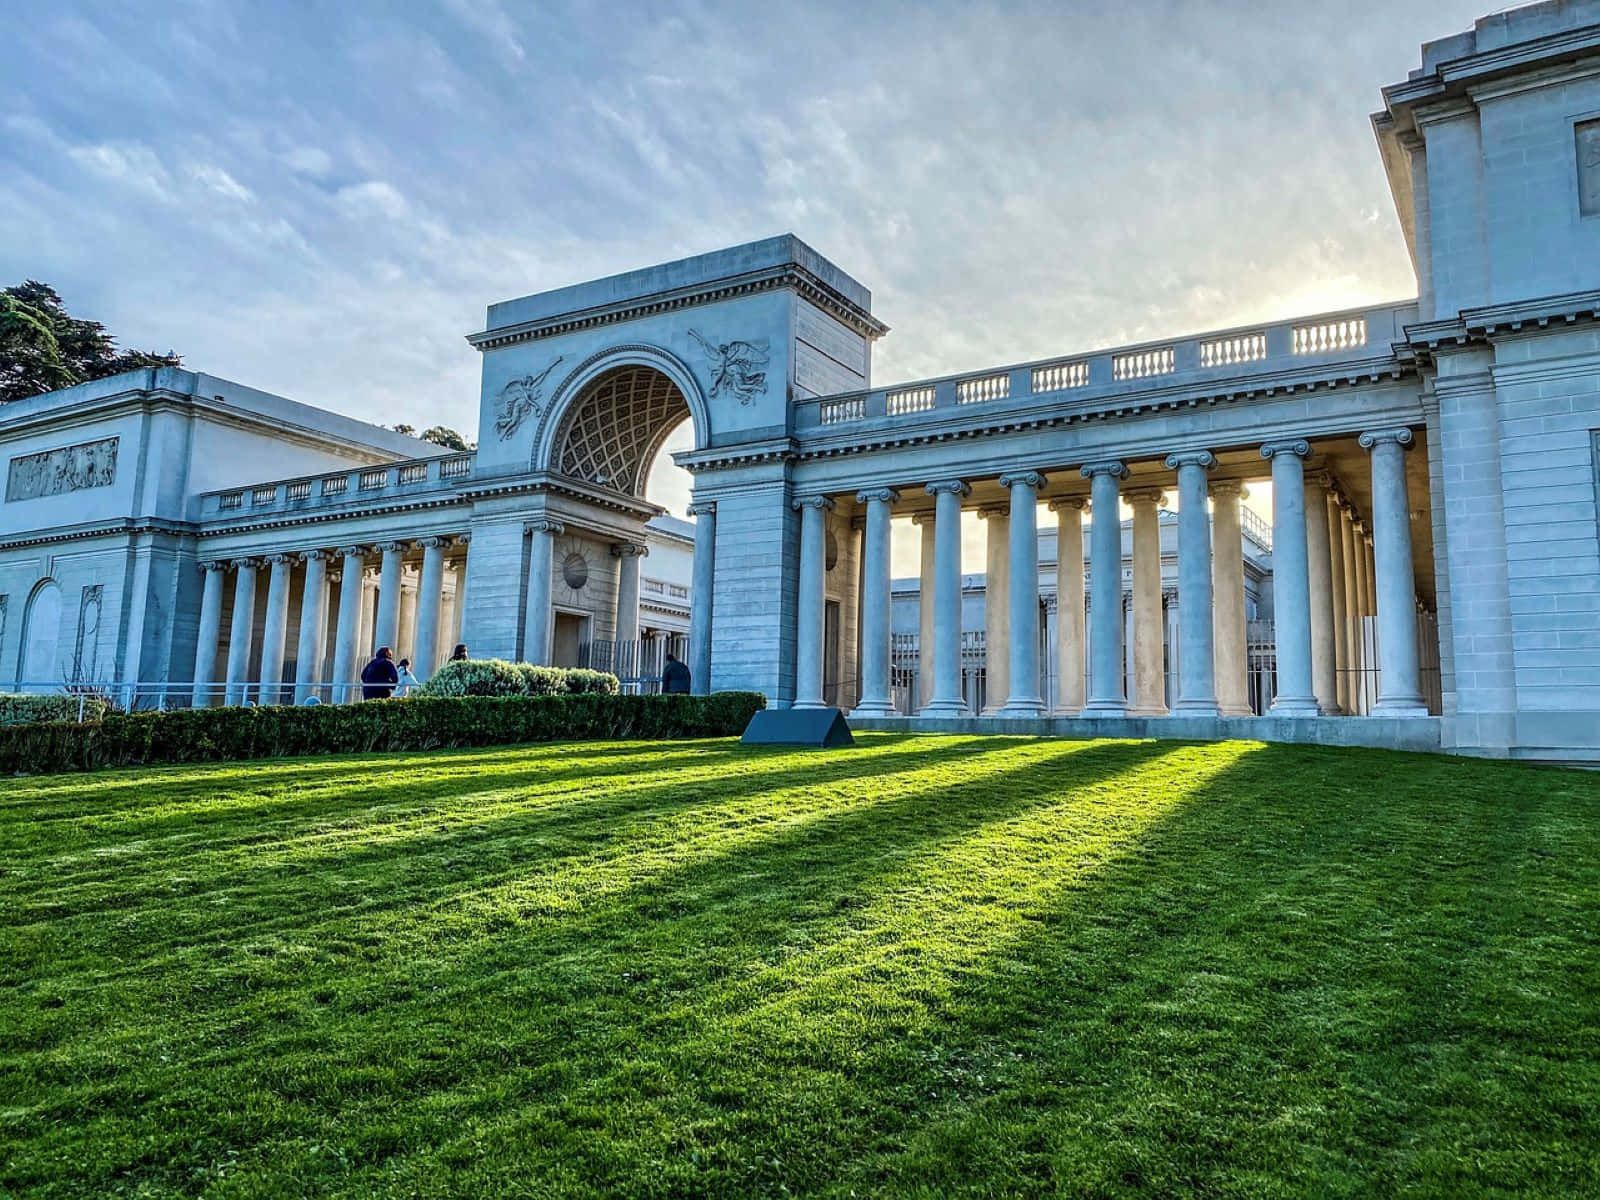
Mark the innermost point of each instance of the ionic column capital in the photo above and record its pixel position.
(435, 543)
(880, 495)
(545, 525)
(392, 547)
(994, 512)
(353, 551)
(1376, 437)
(703, 508)
(1148, 495)
(1033, 479)
(948, 485)
(1110, 466)
(463, 539)
(1229, 487)
(802, 502)
(278, 559)
(922, 518)
(629, 550)
(1191, 458)
(244, 564)
(1323, 479)
(213, 564)
(1061, 503)
(1298, 447)
(314, 555)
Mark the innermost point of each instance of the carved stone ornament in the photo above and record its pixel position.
(737, 367)
(67, 469)
(519, 400)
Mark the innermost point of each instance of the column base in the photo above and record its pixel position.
(875, 708)
(1196, 708)
(1402, 707)
(944, 708)
(810, 704)
(1104, 708)
(1022, 706)
(1330, 710)
(1293, 706)
(1237, 710)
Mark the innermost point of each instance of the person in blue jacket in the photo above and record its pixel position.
(379, 677)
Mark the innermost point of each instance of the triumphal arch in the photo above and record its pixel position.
(1434, 559)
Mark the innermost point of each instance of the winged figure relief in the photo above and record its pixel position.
(738, 367)
(517, 400)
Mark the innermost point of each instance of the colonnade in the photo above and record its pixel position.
(539, 618)
(415, 614)
(1329, 570)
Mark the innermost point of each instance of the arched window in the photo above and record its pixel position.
(40, 665)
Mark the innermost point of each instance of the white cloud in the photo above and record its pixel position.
(128, 164)
(223, 184)
(309, 160)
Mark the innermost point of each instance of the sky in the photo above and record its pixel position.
(321, 198)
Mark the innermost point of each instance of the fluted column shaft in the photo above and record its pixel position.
(537, 620)
(1319, 582)
(628, 555)
(1069, 603)
(386, 629)
(1355, 653)
(1291, 594)
(1106, 696)
(811, 608)
(1023, 696)
(1333, 515)
(430, 608)
(947, 700)
(275, 630)
(996, 608)
(925, 524)
(242, 631)
(313, 622)
(877, 697)
(347, 647)
(1149, 634)
(1228, 624)
(205, 646)
(1197, 688)
(702, 595)
(1399, 676)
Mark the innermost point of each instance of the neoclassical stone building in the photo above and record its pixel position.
(1435, 457)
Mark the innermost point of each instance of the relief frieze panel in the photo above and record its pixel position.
(65, 469)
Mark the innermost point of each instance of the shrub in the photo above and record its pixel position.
(421, 723)
(19, 709)
(496, 677)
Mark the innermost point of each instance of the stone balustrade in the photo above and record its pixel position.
(334, 489)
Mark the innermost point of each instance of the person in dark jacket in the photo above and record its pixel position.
(459, 654)
(379, 677)
(675, 677)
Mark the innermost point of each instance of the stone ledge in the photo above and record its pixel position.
(1381, 733)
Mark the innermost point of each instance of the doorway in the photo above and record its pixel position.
(571, 632)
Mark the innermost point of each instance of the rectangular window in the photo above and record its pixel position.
(1587, 135)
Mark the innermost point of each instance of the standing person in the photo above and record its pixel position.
(675, 677)
(407, 679)
(459, 654)
(378, 677)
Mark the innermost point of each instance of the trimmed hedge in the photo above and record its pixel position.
(497, 677)
(421, 723)
(19, 708)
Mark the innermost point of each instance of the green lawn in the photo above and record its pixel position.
(929, 967)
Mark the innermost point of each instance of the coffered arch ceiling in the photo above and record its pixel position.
(616, 425)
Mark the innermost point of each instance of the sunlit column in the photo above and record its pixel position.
(386, 629)
(1228, 623)
(810, 609)
(628, 555)
(1106, 695)
(1334, 515)
(1355, 651)
(1023, 698)
(347, 647)
(459, 566)
(877, 698)
(996, 607)
(313, 623)
(1319, 582)
(1291, 597)
(1197, 689)
(542, 534)
(1149, 641)
(1069, 602)
(947, 700)
(702, 595)
(205, 646)
(1399, 676)
(405, 641)
(242, 631)
(925, 524)
(430, 604)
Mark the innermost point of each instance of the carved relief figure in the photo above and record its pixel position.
(67, 469)
(518, 400)
(737, 367)
(85, 654)
(1588, 135)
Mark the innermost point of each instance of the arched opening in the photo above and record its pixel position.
(41, 633)
(617, 425)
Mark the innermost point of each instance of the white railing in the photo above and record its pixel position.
(849, 408)
(985, 387)
(909, 400)
(1327, 336)
(456, 468)
(373, 479)
(414, 472)
(231, 500)
(335, 485)
(144, 697)
(1240, 348)
(1140, 364)
(1256, 527)
(300, 489)
(264, 495)
(1058, 377)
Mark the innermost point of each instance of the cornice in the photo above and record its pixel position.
(216, 528)
(805, 284)
(1479, 326)
(122, 527)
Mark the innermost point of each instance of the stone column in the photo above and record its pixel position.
(1069, 603)
(1106, 695)
(1319, 582)
(1291, 597)
(242, 632)
(1355, 652)
(386, 629)
(946, 650)
(313, 621)
(628, 555)
(701, 592)
(1369, 552)
(405, 641)
(205, 646)
(877, 695)
(430, 603)
(1149, 640)
(536, 623)
(347, 648)
(1023, 698)
(925, 523)
(459, 620)
(1228, 623)
(1399, 676)
(1197, 688)
(810, 611)
(1334, 513)
(996, 608)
